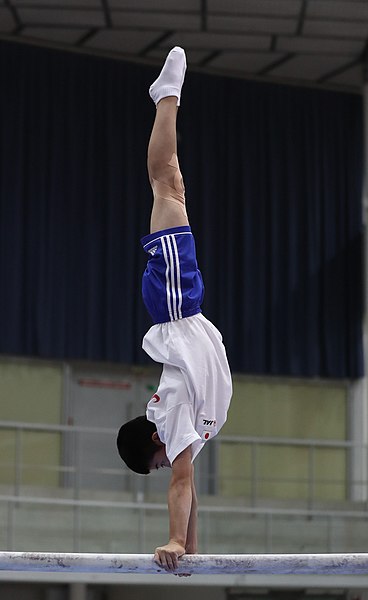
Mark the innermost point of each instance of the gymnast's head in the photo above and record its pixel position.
(140, 447)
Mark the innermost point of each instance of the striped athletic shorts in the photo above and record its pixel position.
(172, 285)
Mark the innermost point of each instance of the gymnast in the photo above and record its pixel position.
(191, 402)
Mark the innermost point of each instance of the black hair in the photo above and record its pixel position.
(135, 444)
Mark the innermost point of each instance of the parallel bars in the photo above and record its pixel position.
(212, 564)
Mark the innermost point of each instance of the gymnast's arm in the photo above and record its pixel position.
(180, 509)
(191, 545)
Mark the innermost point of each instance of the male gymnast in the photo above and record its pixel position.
(191, 403)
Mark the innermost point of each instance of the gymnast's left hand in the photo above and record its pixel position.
(168, 556)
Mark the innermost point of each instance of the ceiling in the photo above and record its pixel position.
(314, 42)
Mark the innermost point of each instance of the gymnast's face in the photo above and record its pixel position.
(159, 459)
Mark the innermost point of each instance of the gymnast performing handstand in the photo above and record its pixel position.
(194, 393)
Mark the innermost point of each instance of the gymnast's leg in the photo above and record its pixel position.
(163, 168)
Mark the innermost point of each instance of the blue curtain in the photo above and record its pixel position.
(273, 177)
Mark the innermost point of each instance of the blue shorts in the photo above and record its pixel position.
(172, 285)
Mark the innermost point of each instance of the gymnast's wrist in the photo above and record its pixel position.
(191, 549)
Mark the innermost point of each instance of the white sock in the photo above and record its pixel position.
(171, 78)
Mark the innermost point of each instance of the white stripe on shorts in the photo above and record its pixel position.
(180, 298)
(172, 274)
(167, 278)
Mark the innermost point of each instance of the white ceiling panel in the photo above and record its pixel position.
(350, 77)
(218, 41)
(308, 45)
(166, 5)
(309, 67)
(39, 16)
(160, 20)
(344, 29)
(246, 62)
(336, 9)
(7, 22)
(127, 42)
(252, 24)
(56, 35)
(323, 36)
(58, 3)
(284, 8)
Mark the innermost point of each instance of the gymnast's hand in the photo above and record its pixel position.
(188, 550)
(168, 556)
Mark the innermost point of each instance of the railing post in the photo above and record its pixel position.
(366, 476)
(76, 528)
(10, 526)
(77, 473)
(311, 476)
(357, 464)
(254, 474)
(269, 532)
(206, 530)
(77, 486)
(77, 591)
(329, 534)
(142, 528)
(18, 462)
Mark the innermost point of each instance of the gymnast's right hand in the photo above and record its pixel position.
(168, 556)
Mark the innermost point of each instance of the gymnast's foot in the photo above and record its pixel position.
(171, 78)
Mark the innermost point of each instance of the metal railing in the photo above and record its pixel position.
(310, 480)
(66, 497)
(277, 529)
(69, 462)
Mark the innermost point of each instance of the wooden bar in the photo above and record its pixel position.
(212, 564)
